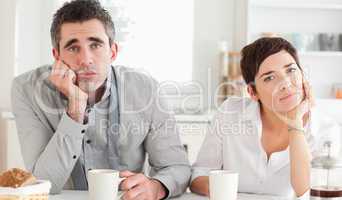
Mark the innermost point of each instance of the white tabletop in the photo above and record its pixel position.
(83, 195)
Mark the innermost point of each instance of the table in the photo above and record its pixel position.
(83, 195)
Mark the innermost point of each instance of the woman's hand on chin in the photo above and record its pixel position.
(297, 117)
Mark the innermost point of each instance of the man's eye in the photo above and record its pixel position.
(95, 46)
(268, 78)
(73, 49)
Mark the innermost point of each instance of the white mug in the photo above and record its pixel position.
(223, 185)
(103, 184)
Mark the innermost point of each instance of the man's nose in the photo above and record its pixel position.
(85, 58)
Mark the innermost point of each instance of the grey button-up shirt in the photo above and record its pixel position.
(95, 146)
(55, 147)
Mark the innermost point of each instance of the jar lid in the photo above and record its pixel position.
(326, 162)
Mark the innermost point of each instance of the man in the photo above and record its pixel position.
(81, 113)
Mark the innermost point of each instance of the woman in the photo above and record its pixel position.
(268, 138)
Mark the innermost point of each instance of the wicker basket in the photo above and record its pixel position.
(28, 197)
(38, 191)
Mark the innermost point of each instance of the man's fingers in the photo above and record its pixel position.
(58, 64)
(136, 193)
(132, 181)
(55, 65)
(60, 68)
(126, 173)
(70, 76)
(63, 78)
(60, 72)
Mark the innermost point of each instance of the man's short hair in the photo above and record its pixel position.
(255, 53)
(78, 11)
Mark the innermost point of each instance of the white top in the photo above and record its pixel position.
(233, 143)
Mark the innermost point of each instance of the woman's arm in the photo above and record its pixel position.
(209, 158)
(300, 158)
(200, 185)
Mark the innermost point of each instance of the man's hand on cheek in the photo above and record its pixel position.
(140, 187)
(64, 79)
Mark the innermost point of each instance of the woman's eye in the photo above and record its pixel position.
(290, 70)
(269, 78)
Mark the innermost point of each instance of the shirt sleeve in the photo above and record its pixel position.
(210, 154)
(166, 154)
(48, 154)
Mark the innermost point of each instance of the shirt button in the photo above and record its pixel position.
(74, 157)
(88, 141)
(83, 131)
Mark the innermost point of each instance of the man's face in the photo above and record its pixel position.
(279, 82)
(85, 48)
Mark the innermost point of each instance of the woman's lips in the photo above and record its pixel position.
(287, 97)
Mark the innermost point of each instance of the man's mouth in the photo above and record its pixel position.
(86, 74)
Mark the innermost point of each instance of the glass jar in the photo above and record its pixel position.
(326, 176)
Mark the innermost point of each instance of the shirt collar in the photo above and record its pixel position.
(107, 84)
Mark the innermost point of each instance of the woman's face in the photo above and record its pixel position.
(279, 83)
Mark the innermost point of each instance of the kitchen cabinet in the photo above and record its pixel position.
(301, 20)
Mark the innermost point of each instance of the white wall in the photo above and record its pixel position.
(26, 48)
(34, 46)
(214, 22)
(28, 35)
(7, 54)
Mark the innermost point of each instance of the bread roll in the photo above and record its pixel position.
(16, 178)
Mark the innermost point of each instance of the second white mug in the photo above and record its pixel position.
(223, 185)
